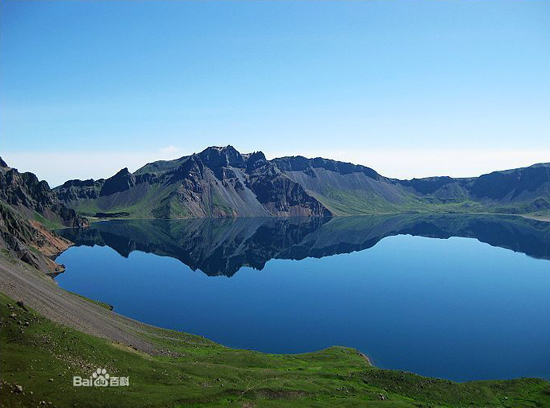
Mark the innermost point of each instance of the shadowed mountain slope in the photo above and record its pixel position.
(27, 208)
(34, 199)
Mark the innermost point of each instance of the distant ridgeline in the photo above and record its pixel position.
(221, 182)
(223, 246)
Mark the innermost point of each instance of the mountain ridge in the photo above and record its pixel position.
(221, 182)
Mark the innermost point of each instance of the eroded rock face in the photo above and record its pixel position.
(219, 157)
(30, 196)
(218, 182)
(30, 241)
(73, 190)
(23, 201)
(282, 196)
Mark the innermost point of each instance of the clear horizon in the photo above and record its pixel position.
(410, 89)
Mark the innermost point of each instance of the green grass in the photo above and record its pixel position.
(86, 207)
(196, 372)
(357, 202)
(35, 216)
(142, 207)
(96, 302)
(346, 202)
(219, 204)
(47, 223)
(8, 256)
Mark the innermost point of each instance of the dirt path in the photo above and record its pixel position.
(40, 292)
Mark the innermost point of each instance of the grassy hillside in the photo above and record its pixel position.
(42, 356)
(357, 202)
(138, 203)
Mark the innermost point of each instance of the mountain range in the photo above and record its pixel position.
(221, 182)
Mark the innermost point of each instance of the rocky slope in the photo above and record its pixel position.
(221, 182)
(218, 182)
(530, 186)
(27, 206)
(34, 199)
(29, 241)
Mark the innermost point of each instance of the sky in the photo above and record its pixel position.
(409, 88)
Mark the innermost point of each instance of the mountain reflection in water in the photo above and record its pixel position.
(223, 246)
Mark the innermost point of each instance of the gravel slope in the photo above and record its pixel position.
(40, 292)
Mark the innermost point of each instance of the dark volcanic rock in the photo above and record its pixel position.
(510, 184)
(215, 157)
(282, 196)
(73, 190)
(121, 181)
(29, 240)
(30, 196)
(254, 161)
(3, 164)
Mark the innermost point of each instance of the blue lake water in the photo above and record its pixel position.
(457, 298)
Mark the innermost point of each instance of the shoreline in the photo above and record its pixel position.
(543, 218)
(104, 322)
(86, 334)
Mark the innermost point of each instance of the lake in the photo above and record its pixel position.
(456, 297)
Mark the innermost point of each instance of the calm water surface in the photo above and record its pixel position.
(461, 298)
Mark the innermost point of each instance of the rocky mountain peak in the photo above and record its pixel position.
(123, 172)
(79, 183)
(255, 160)
(226, 156)
(121, 181)
(254, 157)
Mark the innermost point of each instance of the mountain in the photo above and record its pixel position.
(34, 199)
(220, 182)
(223, 246)
(28, 208)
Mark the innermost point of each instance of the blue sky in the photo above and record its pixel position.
(410, 88)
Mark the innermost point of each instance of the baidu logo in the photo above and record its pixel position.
(100, 378)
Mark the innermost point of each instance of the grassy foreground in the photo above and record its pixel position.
(42, 356)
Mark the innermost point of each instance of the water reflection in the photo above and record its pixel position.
(223, 246)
